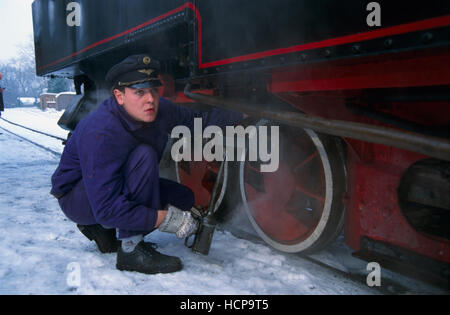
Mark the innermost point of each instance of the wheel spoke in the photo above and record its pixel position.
(305, 191)
(200, 177)
(305, 161)
(305, 215)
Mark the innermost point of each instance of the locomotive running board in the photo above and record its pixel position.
(405, 262)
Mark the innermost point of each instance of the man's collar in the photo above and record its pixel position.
(129, 121)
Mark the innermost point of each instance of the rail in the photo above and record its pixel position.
(33, 130)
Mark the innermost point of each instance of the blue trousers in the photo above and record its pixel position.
(142, 184)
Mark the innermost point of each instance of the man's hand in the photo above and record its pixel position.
(179, 222)
(161, 216)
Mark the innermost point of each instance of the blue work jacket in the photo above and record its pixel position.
(100, 146)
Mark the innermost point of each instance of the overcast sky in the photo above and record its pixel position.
(16, 26)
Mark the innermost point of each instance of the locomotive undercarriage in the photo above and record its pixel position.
(380, 194)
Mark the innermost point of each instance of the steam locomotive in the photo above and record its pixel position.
(360, 90)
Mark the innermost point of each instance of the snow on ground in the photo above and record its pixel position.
(39, 246)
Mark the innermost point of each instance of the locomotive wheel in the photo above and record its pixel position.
(298, 208)
(200, 177)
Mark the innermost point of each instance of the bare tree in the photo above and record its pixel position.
(19, 75)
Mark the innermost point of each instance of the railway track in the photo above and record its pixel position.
(29, 140)
(389, 285)
(33, 130)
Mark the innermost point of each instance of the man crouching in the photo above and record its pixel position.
(108, 176)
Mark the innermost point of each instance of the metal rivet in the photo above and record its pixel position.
(388, 42)
(427, 37)
(356, 49)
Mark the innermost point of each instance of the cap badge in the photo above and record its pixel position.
(147, 60)
(147, 71)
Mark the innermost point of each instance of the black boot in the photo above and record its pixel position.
(144, 258)
(104, 238)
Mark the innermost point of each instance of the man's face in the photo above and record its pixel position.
(140, 104)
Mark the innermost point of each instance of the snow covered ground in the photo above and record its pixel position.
(41, 252)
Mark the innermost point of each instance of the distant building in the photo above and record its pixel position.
(57, 101)
(48, 100)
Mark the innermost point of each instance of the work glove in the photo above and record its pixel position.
(189, 226)
(179, 222)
